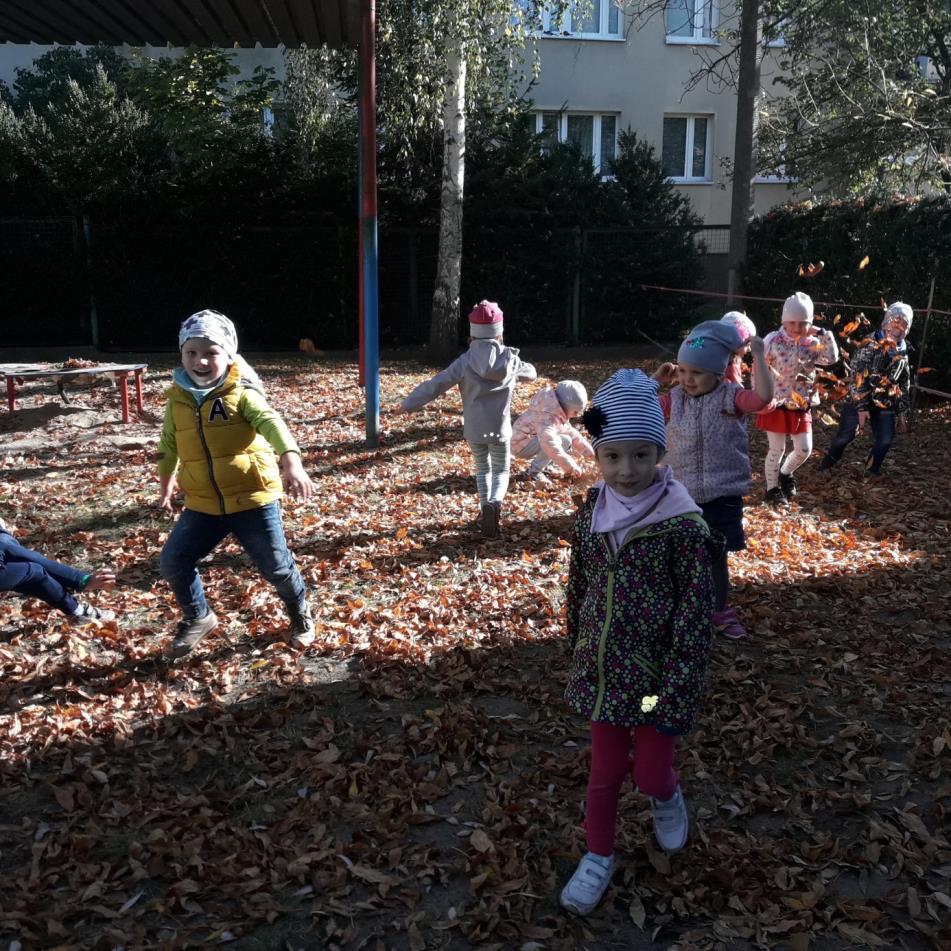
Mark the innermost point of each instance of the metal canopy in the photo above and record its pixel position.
(218, 23)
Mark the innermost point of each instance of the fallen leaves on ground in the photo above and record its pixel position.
(413, 780)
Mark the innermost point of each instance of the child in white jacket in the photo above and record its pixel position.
(486, 375)
(544, 434)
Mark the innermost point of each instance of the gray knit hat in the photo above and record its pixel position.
(572, 396)
(709, 346)
(212, 326)
(626, 407)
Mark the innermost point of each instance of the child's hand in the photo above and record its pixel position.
(296, 480)
(863, 422)
(666, 374)
(100, 579)
(169, 489)
(757, 346)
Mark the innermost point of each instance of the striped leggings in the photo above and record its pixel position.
(492, 461)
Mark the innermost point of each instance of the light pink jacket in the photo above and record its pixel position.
(546, 419)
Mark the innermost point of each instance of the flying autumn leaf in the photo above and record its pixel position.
(925, 370)
(863, 264)
(811, 270)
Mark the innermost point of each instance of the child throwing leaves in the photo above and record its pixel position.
(639, 606)
(29, 573)
(878, 391)
(220, 443)
(486, 375)
(793, 353)
(707, 442)
(544, 434)
(747, 330)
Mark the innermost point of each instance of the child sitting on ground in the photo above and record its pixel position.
(639, 604)
(220, 442)
(793, 353)
(746, 329)
(878, 391)
(707, 442)
(544, 434)
(29, 573)
(486, 375)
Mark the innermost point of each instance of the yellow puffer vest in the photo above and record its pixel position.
(224, 465)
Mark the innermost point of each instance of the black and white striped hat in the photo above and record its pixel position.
(626, 407)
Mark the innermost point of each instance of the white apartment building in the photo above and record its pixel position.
(602, 72)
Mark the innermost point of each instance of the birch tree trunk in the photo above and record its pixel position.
(744, 164)
(444, 327)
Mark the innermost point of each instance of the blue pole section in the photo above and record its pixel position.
(368, 222)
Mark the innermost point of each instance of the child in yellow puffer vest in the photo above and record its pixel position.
(220, 445)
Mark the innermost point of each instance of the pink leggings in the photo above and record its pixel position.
(651, 769)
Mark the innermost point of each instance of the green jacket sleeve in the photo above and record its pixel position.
(257, 412)
(167, 447)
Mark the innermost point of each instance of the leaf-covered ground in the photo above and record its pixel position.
(414, 781)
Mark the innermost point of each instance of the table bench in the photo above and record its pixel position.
(18, 374)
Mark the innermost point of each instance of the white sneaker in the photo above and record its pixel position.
(592, 876)
(670, 822)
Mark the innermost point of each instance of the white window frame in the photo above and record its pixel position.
(691, 118)
(596, 157)
(697, 38)
(603, 32)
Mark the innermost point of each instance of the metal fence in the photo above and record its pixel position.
(126, 284)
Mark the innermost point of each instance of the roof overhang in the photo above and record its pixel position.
(217, 23)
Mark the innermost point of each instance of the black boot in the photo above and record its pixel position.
(788, 484)
(774, 496)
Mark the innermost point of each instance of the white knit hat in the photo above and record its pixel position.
(572, 396)
(743, 324)
(798, 307)
(626, 407)
(212, 326)
(901, 312)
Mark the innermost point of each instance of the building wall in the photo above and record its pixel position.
(642, 77)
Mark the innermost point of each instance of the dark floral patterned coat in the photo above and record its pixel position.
(640, 622)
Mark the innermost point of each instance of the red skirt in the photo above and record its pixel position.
(782, 420)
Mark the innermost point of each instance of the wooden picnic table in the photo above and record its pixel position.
(19, 373)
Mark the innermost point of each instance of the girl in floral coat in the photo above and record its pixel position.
(640, 607)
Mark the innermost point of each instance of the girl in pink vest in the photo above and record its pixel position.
(707, 442)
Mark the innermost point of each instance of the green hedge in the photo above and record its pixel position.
(906, 241)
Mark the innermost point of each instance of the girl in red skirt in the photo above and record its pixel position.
(793, 353)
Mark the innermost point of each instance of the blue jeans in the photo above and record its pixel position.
(882, 422)
(261, 534)
(28, 572)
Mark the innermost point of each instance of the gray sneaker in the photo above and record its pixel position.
(302, 630)
(189, 633)
(87, 614)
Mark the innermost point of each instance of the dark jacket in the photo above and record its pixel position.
(880, 376)
(640, 621)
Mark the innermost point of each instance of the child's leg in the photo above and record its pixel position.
(802, 449)
(500, 461)
(610, 764)
(774, 456)
(12, 550)
(34, 581)
(193, 537)
(721, 581)
(848, 424)
(480, 453)
(261, 533)
(653, 767)
(883, 430)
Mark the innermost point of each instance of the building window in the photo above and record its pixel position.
(593, 133)
(686, 148)
(689, 21)
(777, 175)
(588, 19)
